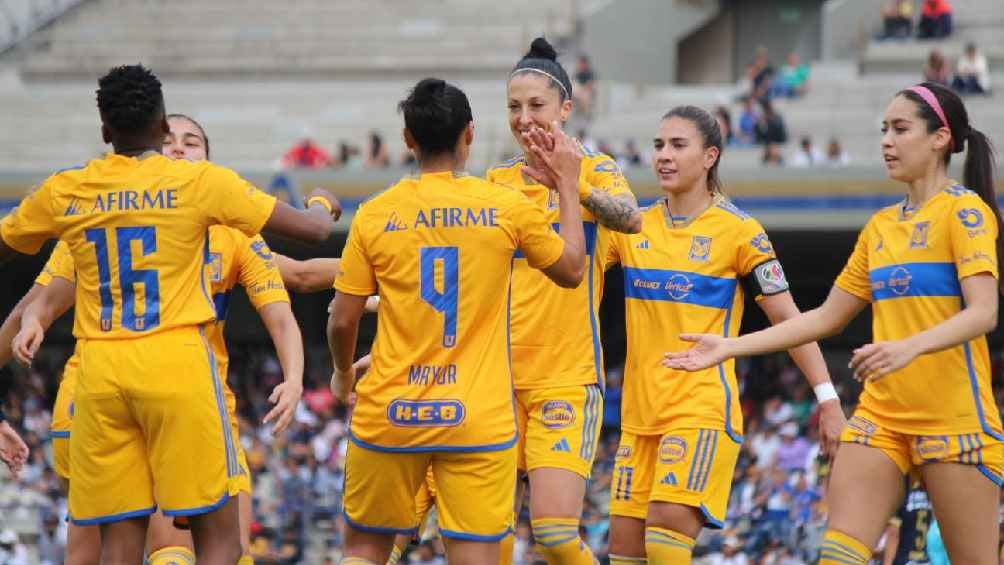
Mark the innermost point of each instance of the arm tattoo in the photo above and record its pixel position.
(619, 213)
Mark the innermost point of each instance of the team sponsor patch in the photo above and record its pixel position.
(972, 220)
(672, 450)
(216, 267)
(700, 248)
(557, 414)
(261, 249)
(770, 277)
(426, 413)
(623, 452)
(932, 448)
(762, 244)
(862, 425)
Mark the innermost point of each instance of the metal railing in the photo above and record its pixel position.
(20, 18)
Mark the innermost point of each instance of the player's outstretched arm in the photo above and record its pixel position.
(562, 162)
(828, 319)
(312, 225)
(343, 331)
(617, 212)
(285, 334)
(809, 358)
(13, 450)
(51, 303)
(312, 275)
(12, 324)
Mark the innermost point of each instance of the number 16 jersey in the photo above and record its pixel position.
(439, 249)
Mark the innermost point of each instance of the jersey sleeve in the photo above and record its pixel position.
(32, 223)
(973, 230)
(60, 264)
(756, 264)
(232, 201)
(603, 173)
(854, 278)
(258, 274)
(357, 276)
(541, 245)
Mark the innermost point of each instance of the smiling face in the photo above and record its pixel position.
(908, 150)
(679, 158)
(185, 140)
(534, 100)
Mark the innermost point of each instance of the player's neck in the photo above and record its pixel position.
(689, 203)
(924, 188)
(443, 164)
(134, 150)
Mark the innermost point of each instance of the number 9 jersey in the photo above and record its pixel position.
(439, 249)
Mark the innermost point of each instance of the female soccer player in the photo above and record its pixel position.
(439, 391)
(929, 267)
(556, 354)
(232, 262)
(689, 266)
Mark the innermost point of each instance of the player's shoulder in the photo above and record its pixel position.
(505, 170)
(223, 237)
(598, 162)
(964, 201)
(725, 210)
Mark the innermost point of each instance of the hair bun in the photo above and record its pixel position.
(541, 49)
(427, 90)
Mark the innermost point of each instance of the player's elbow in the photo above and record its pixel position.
(569, 274)
(634, 223)
(296, 281)
(987, 317)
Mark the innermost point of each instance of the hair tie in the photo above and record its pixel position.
(545, 73)
(932, 101)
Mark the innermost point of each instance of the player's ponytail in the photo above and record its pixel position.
(543, 60)
(939, 107)
(711, 135)
(435, 113)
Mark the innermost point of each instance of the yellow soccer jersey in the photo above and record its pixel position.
(235, 258)
(687, 279)
(137, 231)
(556, 331)
(60, 264)
(439, 250)
(908, 265)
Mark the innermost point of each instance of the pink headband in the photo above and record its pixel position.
(932, 101)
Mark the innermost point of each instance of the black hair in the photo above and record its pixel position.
(711, 135)
(543, 58)
(979, 169)
(130, 99)
(205, 138)
(435, 112)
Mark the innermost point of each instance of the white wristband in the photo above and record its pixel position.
(825, 392)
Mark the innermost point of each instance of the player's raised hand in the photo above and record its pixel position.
(876, 360)
(831, 426)
(342, 383)
(333, 205)
(563, 161)
(25, 344)
(708, 350)
(13, 451)
(286, 395)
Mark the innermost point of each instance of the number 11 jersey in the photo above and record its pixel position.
(439, 249)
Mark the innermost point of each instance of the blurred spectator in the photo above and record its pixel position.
(724, 118)
(835, 154)
(426, 554)
(612, 399)
(936, 69)
(51, 541)
(603, 147)
(807, 155)
(897, 19)
(376, 154)
(972, 74)
(748, 120)
(764, 446)
(587, 140)
(770, 128)
(584, 90)
(348, 156)
(306, 154)
(12, 551)
(793, 80)
(763, 74)
(792, 454)
(730, 554)
(935, 19)
(772, 156)
(777, 411)
(630, 157)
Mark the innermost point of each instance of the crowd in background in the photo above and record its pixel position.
(776, 514)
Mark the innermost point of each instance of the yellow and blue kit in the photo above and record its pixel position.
(681, 432)
(556, 354)
(60, 265)
(908, 264)
(137, 232)
(439, 250)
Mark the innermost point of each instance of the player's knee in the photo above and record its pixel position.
(839, 548)
(559, 542)
(665, 546)
(172, 555)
